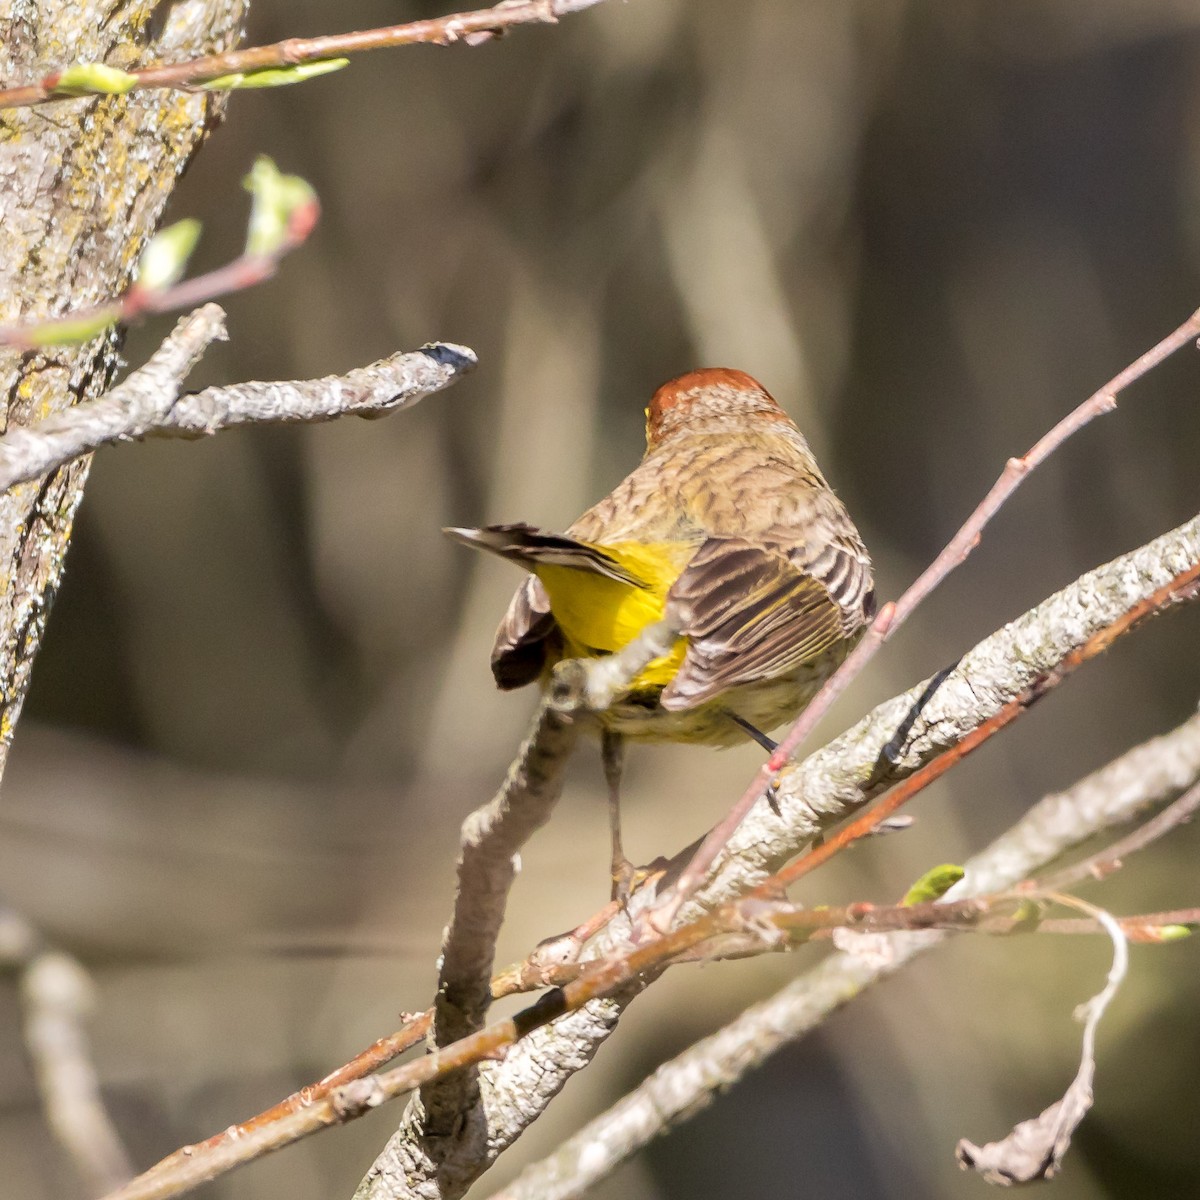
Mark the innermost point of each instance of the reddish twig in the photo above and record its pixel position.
(377, 1055)
(469, 28)
(892, 615)
(770, 923)
(245, 271)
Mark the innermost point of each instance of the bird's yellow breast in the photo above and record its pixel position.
(598, 615)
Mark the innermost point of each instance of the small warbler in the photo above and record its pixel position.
(726, 527)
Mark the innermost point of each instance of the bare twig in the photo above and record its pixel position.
(469, 28)
(1152, 927)
(57, 999)
(687, 1083)
(248, 269)
(892, 615)
(148, 402)
(1111, 858)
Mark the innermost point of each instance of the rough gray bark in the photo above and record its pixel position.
(82, 185)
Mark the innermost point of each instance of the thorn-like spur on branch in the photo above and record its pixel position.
(57, 998)
(892, 615)
(684, 1086)
(239, 68)
(148, 403)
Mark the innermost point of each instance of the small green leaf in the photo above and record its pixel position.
(934, 884)
(274, 76)
(165, 257)
(277, 200)
(69, 332)
(1174, 933)
(93, 79)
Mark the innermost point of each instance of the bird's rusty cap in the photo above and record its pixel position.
(708, 394)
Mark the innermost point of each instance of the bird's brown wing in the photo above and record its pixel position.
(755, 610)
(527, 636)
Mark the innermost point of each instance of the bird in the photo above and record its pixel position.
(728, 529)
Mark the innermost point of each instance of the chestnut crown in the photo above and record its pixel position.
(710, 392)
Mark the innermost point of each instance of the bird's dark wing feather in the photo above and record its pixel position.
(753, 610)
(528, 634)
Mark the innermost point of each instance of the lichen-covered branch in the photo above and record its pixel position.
(148, 402)
(444, 1122)
(130, 410)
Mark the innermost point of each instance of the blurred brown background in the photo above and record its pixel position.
(930, 228)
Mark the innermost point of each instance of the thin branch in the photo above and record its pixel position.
(247, 270)
(469, 28)
(148, 402)
(892, 615)
(1152, 927)
(57, 997)
(688, 1083)
(1111, 858)
(445, 1133)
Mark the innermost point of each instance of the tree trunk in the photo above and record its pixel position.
(82, 185)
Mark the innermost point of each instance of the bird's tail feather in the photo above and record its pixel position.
(531, 547)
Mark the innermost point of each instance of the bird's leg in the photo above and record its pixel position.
(612, 752)
(769, 745)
